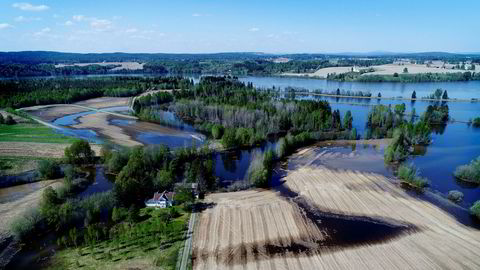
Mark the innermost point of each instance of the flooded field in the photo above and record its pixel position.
(314, 215)
(109, 124)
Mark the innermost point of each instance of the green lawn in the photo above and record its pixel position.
(24, 132)
(144, 245)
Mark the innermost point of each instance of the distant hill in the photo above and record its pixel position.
(37, 57)
(50, 57)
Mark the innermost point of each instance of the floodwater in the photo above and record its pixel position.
(461, 90)
(36, 253)
(369, 158)
(174, 133)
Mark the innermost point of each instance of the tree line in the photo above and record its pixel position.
(31, 92)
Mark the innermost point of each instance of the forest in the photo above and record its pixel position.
(239, 114)
(421, 77)
(31, 92)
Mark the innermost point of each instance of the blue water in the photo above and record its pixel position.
(71, 119)
(233, 165)
(462, 90)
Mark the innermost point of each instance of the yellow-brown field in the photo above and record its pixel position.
(263, 229)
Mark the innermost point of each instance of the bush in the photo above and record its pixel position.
(2, 120)
(475, 209)
(409, 175)
(79, 153)
(25, 225)
(469, 172)
(455, 196)
(49, 169)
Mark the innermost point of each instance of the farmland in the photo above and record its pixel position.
(291, 227)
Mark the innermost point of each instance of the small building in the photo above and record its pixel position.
(161, 200)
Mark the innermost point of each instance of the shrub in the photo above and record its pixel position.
(455, 196)
(25, 225)
(409, 175)
(469, 172)
(48, 169)
(2, 120)
(79, 153)
(475, 209)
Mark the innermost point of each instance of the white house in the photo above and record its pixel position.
(160, 200)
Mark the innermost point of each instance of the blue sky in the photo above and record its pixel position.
(242, 25)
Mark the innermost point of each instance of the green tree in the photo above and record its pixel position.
(2, 120)
(79, 153)
(9, 120)
(445, 95)
(229, 138)
(405, 70)
(353, 134)
(400, 109)
(414, 94)
(348, 120)
(217, 131)
(163, 180)
(133, 183)
(379, 95)
(73, 236)
(48, 169)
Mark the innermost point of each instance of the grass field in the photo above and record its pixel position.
(24, 132)
(143, 245)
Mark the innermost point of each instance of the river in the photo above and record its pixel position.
(454, 145)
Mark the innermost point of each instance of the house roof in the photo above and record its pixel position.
(157, 196)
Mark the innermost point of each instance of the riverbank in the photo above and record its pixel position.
(14, 202)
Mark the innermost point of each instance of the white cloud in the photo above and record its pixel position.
(26, 19)
(97, 24)
(30, 7)
(254, 29)
(78, 18)
(5, 26)
(196, 15)
(100, 24)
(68, 23)
(131, 30)
(42, 32)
